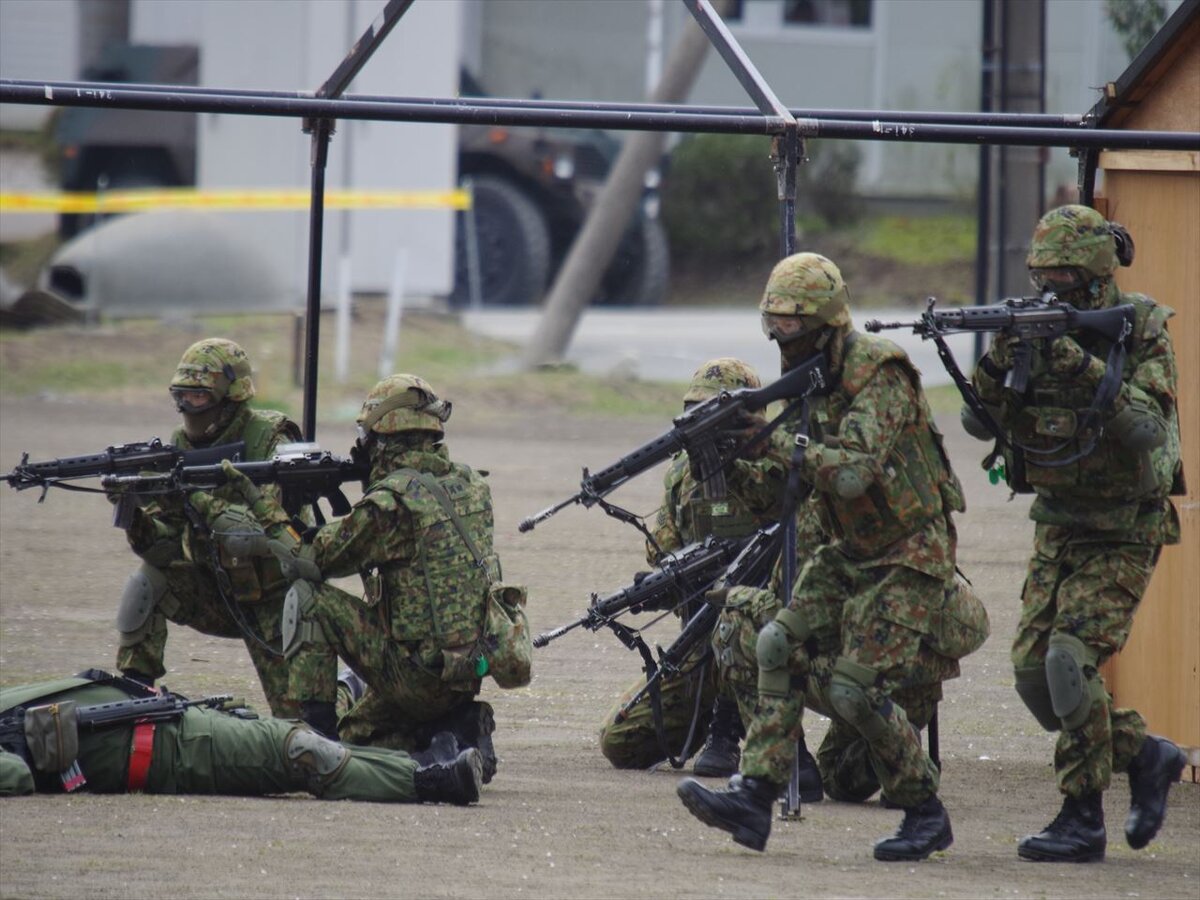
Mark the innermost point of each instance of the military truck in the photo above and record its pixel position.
(532, 187)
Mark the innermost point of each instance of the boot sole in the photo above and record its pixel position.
(1032, 855)
(1175, 775)
(894, 856)
(741, 834)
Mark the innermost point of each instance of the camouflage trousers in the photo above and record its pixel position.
(843, 758)
(406, 687)
(633, 743)
(193, 599)
(871, 638)
(1088, 588)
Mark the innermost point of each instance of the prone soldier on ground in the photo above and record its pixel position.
(1102, 474)
(188, 576)
(111, 734)
(860, 624)
(435, 617)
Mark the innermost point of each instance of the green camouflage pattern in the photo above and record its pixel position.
(1073, 235)
(722, 374)
(881, 625)
(752, 501)
(161, 534)
(1088, 585)
(421, 410)
(211, 752)
(1114, 488)
(388, 539)
(216, 365)
(807, 284)
(877, 424)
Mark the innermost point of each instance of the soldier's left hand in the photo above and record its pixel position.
(1067, 357)
(240, 483)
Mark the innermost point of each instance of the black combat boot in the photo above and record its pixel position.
(743, 809)
(443, 749)
(472, 725)
(811, 790)
(721, 754)
(457, 782)
(1157, 766)
(321, 717)
(1076, 834)
(925, 828)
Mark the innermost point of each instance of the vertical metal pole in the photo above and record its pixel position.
(322, 129)
(983, 199)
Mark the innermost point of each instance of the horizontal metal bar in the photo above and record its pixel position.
(116, 96)
(923, 117)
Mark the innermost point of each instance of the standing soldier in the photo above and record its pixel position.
(421, 539)
(1102, 517)
(754, 492)
(187, 576)
(859, 626)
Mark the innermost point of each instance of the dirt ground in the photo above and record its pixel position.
(557, 821)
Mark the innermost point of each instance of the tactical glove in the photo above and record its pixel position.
(263, 506)
(1066, 357)
(296, 560)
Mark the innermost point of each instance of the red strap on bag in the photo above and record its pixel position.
(140, 752)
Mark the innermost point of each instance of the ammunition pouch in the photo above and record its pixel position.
(52, 735)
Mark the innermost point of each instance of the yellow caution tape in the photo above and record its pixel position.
(188, 198)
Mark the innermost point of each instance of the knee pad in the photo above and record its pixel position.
(1070, 675)
(848, 697)
(1034, 691)
(316, 759)
(774, 650)
(298, 627)
(143, 592)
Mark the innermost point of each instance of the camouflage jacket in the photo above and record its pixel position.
(875, 430)
(1112, 489)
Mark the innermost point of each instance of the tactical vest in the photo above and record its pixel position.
(262, 430)
(441, 593)
(917, 483)
(699, 516)
(1053, 418)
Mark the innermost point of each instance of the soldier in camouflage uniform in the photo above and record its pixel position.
(752, 501)
(1102, 518)
(208, 751)
(421, 540)
(183, 566)
(860, 624)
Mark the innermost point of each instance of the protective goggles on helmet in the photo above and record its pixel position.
(415, 399)
(1059, 279)
(192, 400)
(787, 328)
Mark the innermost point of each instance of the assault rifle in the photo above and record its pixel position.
(1031, 321)
(162, 706)
(685, 573)
(1027, 319)
(697, 432)
(149, 456)
(304, 473)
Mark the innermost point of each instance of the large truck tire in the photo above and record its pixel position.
(640, 273)
(513, 243)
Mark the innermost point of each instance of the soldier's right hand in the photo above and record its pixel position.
(1001, 352)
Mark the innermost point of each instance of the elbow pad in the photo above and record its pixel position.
(1138, 427)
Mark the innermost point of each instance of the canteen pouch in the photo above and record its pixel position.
(508, 646)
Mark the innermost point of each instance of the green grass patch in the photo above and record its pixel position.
(921, 240)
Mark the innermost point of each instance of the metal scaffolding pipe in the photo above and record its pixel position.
(259, 104)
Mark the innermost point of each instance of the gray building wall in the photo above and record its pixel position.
(916, 55)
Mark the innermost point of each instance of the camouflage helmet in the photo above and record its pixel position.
(806, 285)
(215, 365)
(722, 374)
(403, 403)
(1075, 236)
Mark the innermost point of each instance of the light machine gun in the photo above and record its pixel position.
(1032, 322)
